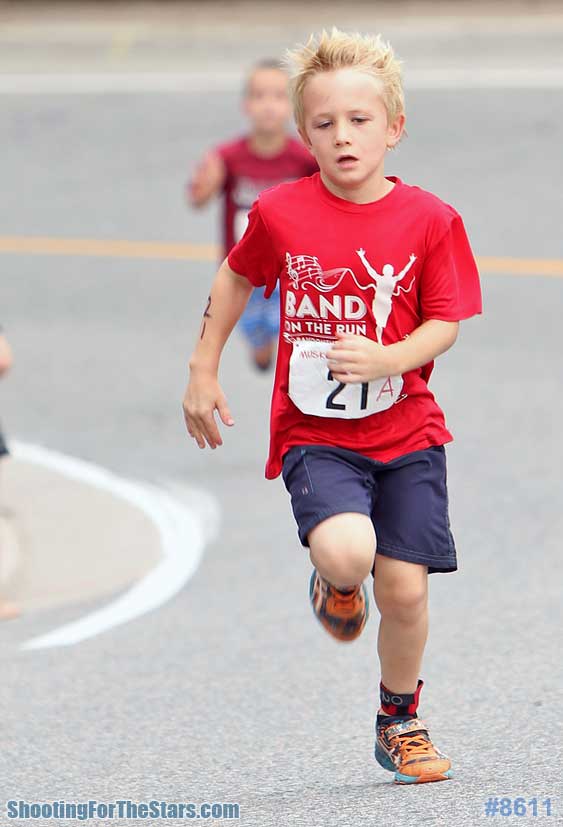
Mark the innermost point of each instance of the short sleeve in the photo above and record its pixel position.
(449, 287)
(254, 256)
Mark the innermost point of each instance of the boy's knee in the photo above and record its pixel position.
(342, 548)
(401, 601)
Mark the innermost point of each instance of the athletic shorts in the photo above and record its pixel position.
(260, 322)
(407, 499)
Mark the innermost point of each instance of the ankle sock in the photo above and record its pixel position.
(398, 707)
(385, 720)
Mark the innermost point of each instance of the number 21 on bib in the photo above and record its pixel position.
(314, 391)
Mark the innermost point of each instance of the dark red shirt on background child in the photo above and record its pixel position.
(248, 174)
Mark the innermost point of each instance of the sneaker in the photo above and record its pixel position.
(404, 747)
(263, 356)
(342, 614)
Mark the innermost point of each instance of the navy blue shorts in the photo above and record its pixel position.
(407, 499)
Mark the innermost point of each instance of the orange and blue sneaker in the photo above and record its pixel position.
(342, 614)
(404, 747)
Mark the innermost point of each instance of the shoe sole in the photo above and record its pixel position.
(339, 639)
(400, 778)
(423, 779)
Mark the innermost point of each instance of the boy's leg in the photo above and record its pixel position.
(412, 522)
(256, 328)
(403, 744)
(411, 518)
(401, 595)
(342, 549)
(332, 505)
(263, 355)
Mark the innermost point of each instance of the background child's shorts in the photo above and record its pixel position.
(406, 498)
(260, 322)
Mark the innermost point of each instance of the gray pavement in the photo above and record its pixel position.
(66, 541)
(231, 692)
(223, 37)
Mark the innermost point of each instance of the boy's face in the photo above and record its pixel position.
(266, 102)
(346, 126)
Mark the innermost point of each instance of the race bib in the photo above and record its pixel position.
(315, 392)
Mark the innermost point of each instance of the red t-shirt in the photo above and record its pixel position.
(377, 270)
(248, 174)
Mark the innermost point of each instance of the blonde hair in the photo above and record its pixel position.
(327, 52)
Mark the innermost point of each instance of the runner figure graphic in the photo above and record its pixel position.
(386, 287)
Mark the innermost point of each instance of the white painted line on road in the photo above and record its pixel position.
(436, 77)
(479, 77)
(70, 83)
(184, 532)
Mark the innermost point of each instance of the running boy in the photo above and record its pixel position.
(375, 276)
(240, 170)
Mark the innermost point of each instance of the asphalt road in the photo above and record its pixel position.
(231, 692)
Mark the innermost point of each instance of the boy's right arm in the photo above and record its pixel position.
(229, 296)
(207, 180)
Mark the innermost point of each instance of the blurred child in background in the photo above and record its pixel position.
(239, 170)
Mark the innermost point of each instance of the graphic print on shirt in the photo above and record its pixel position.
(311, 321)
(385, 282)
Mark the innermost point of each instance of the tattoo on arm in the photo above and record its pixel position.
(206, 315)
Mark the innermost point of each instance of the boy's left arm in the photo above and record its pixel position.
(359, 359)
(424, 344)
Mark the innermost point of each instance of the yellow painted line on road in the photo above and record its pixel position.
(163, 250)
(121, 44)
(521, 266)
(108, 248)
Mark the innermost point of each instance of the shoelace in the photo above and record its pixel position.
(410, 746)
(344, 603)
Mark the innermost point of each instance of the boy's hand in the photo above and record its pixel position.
(203, 396)
(359, 359)
(207, 180)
